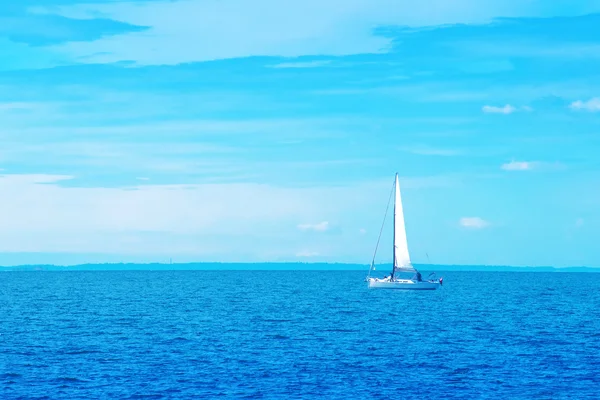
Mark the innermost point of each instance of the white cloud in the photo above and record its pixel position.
(473, 222)
(38, 215)
(16, 106)
(362, 231)
(29, 108)
(307, 254)
(195, 222)
(531, 165)
(592, 105)
(579, 222)
(199, 30)
(520, 165)
(282, 128)
(507, 109)
(151, 208)
(320, 227)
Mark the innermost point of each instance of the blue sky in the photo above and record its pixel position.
(271, 131)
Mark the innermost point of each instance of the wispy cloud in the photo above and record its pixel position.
(520, 165)
(302, 64)
(319, 227)
(149, 218)
(302, 27)
(592, 105)
(506, 109)
(307, 254)
(473, 223)
(531, 165)
(38, 29)
(22, 106)
(579, 222)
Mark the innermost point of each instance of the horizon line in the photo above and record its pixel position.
(276, 265)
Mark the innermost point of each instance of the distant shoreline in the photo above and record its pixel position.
(272, 266)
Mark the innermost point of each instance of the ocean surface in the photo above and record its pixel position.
(297, 335)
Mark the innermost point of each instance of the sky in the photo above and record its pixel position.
(254, 131)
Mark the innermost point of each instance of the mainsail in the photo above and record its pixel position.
(401, 258)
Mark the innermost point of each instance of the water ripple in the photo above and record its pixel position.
(156, 335)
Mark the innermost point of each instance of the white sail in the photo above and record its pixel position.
(401, 258)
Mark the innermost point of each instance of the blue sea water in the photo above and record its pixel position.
(293, 335)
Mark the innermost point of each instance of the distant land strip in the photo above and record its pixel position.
(282, 266)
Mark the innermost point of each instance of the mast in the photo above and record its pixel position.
(394, 236)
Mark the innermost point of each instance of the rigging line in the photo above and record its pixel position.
(381, 230)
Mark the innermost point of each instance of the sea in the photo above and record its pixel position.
(297, 335)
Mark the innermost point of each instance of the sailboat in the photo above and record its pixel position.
(401, 263)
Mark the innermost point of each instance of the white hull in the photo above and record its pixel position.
(406, 284)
